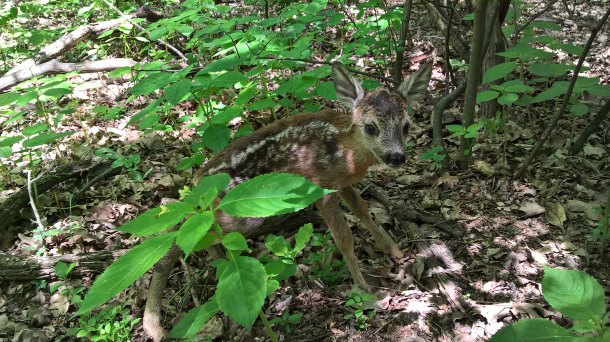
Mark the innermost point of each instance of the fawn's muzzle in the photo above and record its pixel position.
(394, 159)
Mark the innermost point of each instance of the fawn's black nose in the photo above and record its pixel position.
(394, 159)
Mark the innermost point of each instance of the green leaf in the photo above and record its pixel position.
(548, 69)
(218, 181)
(498, 71)
(579, 109)
(262, 104)
(193, 321)
(61, 269)
(151, 83)
(487, 95)
(8, 98)
(31, 130)
(599, 90)
(271, 194)
(148, 121)
(235, 241)
(56, 93)
(126, 270)
(571, 49)
(5, 151)
(228, 79)
(508, 98)
(277, 245)
(532, 330)
(573, 293)
(216, 137)
(272, 286)
(548, 25)
(550, 93)
(189, 162)
(326, 90)
(302, 237)
(9, 141)
(178, 91)
(45, 138)
(242, 289)
(193, 230)
(157, 219)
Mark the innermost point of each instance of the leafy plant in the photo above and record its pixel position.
(576, 295)
(330, 270)
(363, 305)
(435, 157)
(111, 324)
(602, 231)
(243, 281)
(286, 320)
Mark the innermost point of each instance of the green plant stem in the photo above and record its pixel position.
(270, 332)
(566, 98)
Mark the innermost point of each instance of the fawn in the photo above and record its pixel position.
(331, 149)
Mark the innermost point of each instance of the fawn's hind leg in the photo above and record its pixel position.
(329, 209)
(361, 210)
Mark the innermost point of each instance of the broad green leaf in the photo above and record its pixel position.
(194, 320)
(189, 162)
(326, 90)
(151, 83)
(9, 141)
(550, 93)
(193, 230)
(61, 269)
(126, 270)
(56, 93)
(157, 219)
(571, 49)
(519, 88)
(216, 137)
(579, 109)
(149, 120)
(573, 293)
(31, 130)
(229, 79)
(548, 25)
(151, 108)
(5, 151)
(223, 64)
(241, 289)
(599, 90)
(45, 138)
(178, 91)
(262, 104)
(498, 71)
(272, 286)
(302, 237)
(277, 245)
(548, 69)
(532, 330)
(271, 194)
(218, 181)
(8, 98)
(508, 98)
(234, 241)
(487, 95)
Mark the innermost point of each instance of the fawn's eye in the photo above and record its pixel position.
(405, 129)
(370, 129)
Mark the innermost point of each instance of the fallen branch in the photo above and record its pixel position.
(31, 267)
(69, 40)
(56, 67)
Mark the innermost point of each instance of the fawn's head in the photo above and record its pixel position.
(381, 114)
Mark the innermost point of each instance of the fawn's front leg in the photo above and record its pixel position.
(361, 210)
(329, 209)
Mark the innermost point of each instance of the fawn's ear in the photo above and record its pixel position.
(414, 87)
(348, 89)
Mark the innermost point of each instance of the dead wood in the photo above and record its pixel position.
(10, 210)
(458, 44)
(31, 267)
(65, 43)
(56, 67)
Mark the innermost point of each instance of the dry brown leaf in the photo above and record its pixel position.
(555, 214)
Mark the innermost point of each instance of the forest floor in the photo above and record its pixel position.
(493, 234)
